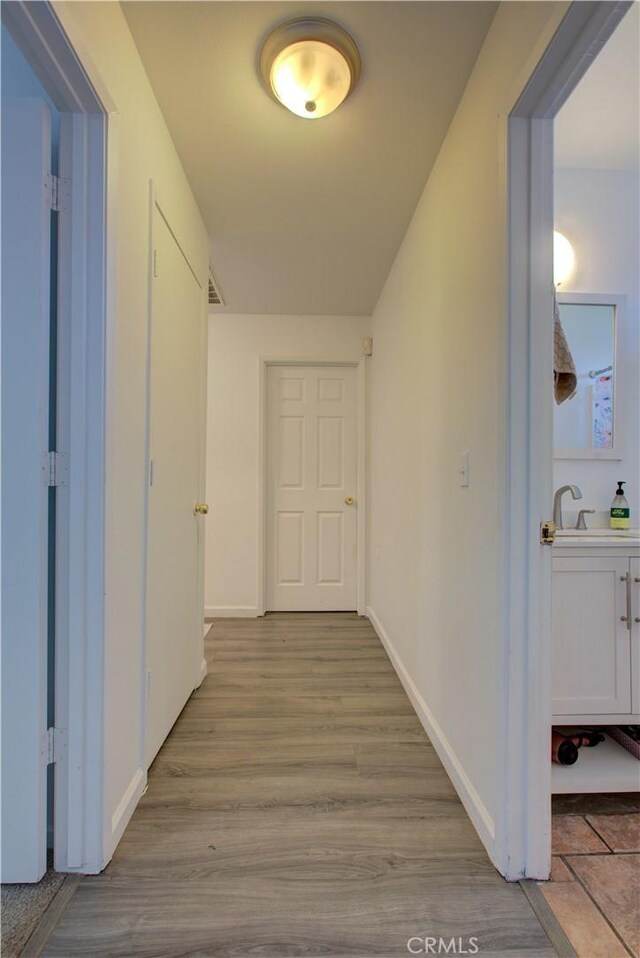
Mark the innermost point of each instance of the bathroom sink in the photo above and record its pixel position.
(598, 538)
(596, 533)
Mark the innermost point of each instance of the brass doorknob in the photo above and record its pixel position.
(348, 501)
(200, 509)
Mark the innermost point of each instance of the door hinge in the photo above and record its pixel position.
(56, 744)
(55, 469)
(547, 532)
(58, 192)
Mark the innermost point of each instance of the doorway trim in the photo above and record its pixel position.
(524, 847)
(84, 310)
(361, 525)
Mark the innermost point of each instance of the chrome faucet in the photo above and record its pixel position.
(557, 503)
(581, 523)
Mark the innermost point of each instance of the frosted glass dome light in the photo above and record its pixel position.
(564, 258)
(310, 66)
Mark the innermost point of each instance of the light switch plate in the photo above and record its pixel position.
(463, 470)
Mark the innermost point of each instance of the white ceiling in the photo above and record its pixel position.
(599, 125)
(305, 217)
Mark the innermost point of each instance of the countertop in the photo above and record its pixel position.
(597, 539)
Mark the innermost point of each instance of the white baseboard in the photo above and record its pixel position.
(126, 808)
(203, 672)
(231, 612)
(469, 797)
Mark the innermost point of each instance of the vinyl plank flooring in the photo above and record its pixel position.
(242, 684)
(283, 666)
(263, 706)
(310, 789)
(260, 917)
(296, 809)
(263, 918)
(400, 759)
(310, 848)
(207, 758)
(338, 648)
(325, 729)
(296, 706)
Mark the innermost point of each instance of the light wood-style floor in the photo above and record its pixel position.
(297, 809)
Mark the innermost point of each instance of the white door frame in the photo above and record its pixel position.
(361, 523)
(524, 849)
(83, 319)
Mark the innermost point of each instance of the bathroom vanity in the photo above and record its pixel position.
(596, 652)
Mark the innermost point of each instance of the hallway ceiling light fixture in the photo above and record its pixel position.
(310, 66)
(564, 258)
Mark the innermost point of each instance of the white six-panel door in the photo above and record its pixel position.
(311, 550)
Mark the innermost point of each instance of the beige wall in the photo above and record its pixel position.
(438, 390)
(140, 149)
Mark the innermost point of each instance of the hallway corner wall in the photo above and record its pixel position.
(236, 344)
(437, 390)
(140, 150)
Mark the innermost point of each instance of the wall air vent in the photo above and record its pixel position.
(215, 297)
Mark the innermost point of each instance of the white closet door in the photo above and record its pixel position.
(311, 488)
(174, 619)
(26, 224)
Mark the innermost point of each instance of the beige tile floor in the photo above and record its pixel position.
(594, 889)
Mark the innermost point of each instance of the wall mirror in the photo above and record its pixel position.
(585, 426)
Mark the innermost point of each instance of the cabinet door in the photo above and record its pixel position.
(591, 645)
(635, 633)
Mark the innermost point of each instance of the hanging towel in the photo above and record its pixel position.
(603, 413)
(565, 381)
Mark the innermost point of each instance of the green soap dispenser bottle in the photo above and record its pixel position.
(620, 509)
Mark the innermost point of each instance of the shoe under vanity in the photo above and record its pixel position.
(596, 653)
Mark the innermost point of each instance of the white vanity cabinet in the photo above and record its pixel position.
(591, 645)
(596, 656)
(596, 631)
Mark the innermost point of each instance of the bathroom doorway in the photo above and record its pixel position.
(582, 34)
